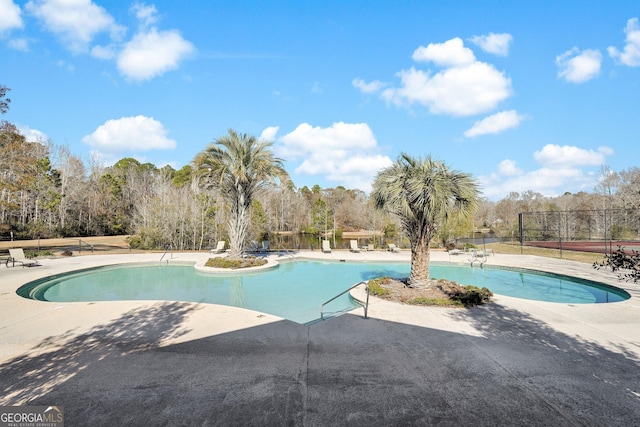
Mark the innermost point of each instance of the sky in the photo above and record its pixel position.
(526, 95)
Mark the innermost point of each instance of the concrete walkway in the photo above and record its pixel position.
(512, 362)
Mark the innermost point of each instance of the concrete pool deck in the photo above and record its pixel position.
(511, 362)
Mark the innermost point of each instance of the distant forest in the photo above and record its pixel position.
(46, 191)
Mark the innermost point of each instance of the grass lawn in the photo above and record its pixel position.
(514, 248)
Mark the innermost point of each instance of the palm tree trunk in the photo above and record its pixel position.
(420, 276)
(238, 224)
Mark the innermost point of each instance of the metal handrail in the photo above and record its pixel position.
(167, 249)
(475, 258)
(366, 305)
(86, 243)
(287, 251)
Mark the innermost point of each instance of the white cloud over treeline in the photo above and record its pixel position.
(130, 134)
(562, 167)
(344, 153)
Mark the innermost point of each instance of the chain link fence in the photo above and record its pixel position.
(599, 231)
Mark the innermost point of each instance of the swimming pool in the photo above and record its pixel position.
(295, 290)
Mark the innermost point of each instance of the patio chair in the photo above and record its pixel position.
(326, 247)
(371, 247)
(354, 246)
(17, 255)
(218, 249)
(393, 248)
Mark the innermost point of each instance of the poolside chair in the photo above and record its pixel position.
(265, 246)
(393, 248)
(17, 255)
(354, 246)
(218, 249)
(326, 248)
(371, 247)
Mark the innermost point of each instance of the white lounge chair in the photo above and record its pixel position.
(326, 248)
(218, 249)
(371, 247)
(354, 246)
(393, 248)
(17, 255)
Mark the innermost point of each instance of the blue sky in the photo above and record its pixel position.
(527, 95)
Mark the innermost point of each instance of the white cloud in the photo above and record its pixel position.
(137, 133)
(19, 44)
(344, 153)
(371, 87)
(465, 86)
(579, 67)
(10, 16)
(563, 168)
(509, 168)
(549, 182)
(269, 134)
(146, 14)
(104, 52)
(631, 53)
(150, 54)
(555, 155)
(497, 44)
(75, 22)
(495, 123)
(451, 53)
(459, 91)
(33, 135)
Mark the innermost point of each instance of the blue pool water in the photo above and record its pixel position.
(296, 290)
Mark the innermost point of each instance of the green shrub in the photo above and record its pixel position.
(219, 262)
(35, 254)
(473, 296)
(441, 302)
(375, 286)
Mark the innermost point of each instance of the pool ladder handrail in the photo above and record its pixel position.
(365, 305)
(475, 258)
(167, 248)
(289, 253)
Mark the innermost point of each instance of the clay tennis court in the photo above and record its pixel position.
(595, 246)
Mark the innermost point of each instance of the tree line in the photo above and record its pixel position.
(47, 191)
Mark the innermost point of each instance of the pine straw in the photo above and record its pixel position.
(439, 293)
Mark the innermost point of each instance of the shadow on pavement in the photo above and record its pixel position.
(345, 371)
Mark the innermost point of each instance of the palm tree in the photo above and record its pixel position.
(239, 166)
(423, 194)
